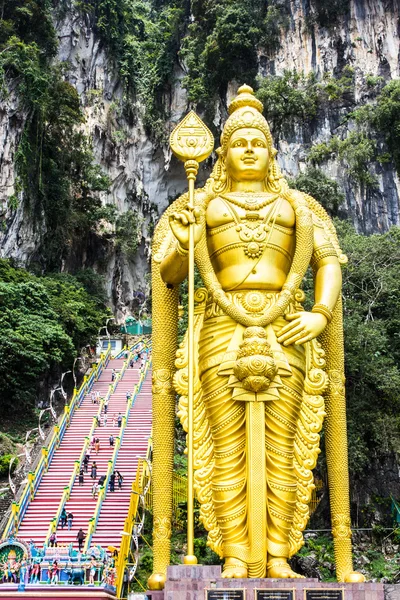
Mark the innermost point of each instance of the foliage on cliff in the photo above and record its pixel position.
(371, 291)
(43, 321)
(371, 301)
(57, 177)
(143, 38)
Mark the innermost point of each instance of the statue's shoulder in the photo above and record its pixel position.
(319, 214)
(321, 219)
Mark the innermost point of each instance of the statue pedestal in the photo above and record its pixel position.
(191, 582)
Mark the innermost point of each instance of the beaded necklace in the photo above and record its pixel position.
(301, 260)
(250, 200)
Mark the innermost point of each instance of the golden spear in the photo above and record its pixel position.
(191, 142)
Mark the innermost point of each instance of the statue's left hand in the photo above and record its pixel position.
(303, 327)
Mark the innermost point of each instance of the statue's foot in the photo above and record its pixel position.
(278, 568)
(354, 577)
(156, 581)
(234, 569)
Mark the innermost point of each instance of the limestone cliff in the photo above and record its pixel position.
(144, 176)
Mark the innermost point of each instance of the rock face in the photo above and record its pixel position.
(145, 177)
(368, 40)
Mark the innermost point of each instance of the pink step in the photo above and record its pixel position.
(115, 506)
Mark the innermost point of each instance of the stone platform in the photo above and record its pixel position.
(191, 582)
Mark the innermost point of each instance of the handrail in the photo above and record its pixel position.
(19, 508)
(138, 488)
(131, 348)
(93, 521)
(68, 488)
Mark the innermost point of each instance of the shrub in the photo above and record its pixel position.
(5, 464)
(322, 188)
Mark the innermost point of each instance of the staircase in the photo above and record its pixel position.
(134, 446)
(46, 503)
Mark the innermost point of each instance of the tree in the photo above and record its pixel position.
(43, 321)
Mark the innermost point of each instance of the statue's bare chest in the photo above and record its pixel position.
(253, 223)
(222, 210)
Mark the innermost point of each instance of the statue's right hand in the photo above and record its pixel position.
(180, 223)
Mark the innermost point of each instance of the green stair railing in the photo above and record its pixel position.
(20, 506)
(93, 521)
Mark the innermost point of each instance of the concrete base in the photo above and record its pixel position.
(190, 583)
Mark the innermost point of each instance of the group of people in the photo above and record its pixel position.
(80, 536)
(142, 356)
(95, 397)
(66, 519)
(101, 420)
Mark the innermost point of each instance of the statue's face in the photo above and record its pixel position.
(247, 156)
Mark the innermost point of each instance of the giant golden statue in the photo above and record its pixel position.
(266, 371)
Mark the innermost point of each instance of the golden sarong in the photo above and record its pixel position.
(293, 410)
(226, 415)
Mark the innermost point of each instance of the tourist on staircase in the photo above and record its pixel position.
(86, 462)
(95, 490)
(80, 536)
(63, 518)
(131, 442)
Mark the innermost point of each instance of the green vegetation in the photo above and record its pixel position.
(143, 39)
(371, 122)
(319, 186)
(217, 41)
(222, 41)
(5, 460)
(128, 232)
(58, 179)
(385, 118)
(293, 98)
(371, 292)
(43, 320)
(338, 88)
(288, 99)
(357, 150)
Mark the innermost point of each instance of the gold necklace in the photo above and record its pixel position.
(253, 228)
(300, 262)
(250, 200)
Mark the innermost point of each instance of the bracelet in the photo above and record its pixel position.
(322, 309)
(181, 251)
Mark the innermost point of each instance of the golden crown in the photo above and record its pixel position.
(245, 111)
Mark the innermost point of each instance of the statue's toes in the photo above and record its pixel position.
(234, 573)
(354, 577)
(240, 573)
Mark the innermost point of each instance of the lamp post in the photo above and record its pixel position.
(73, 369)
(52, 410)
(63, 392)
